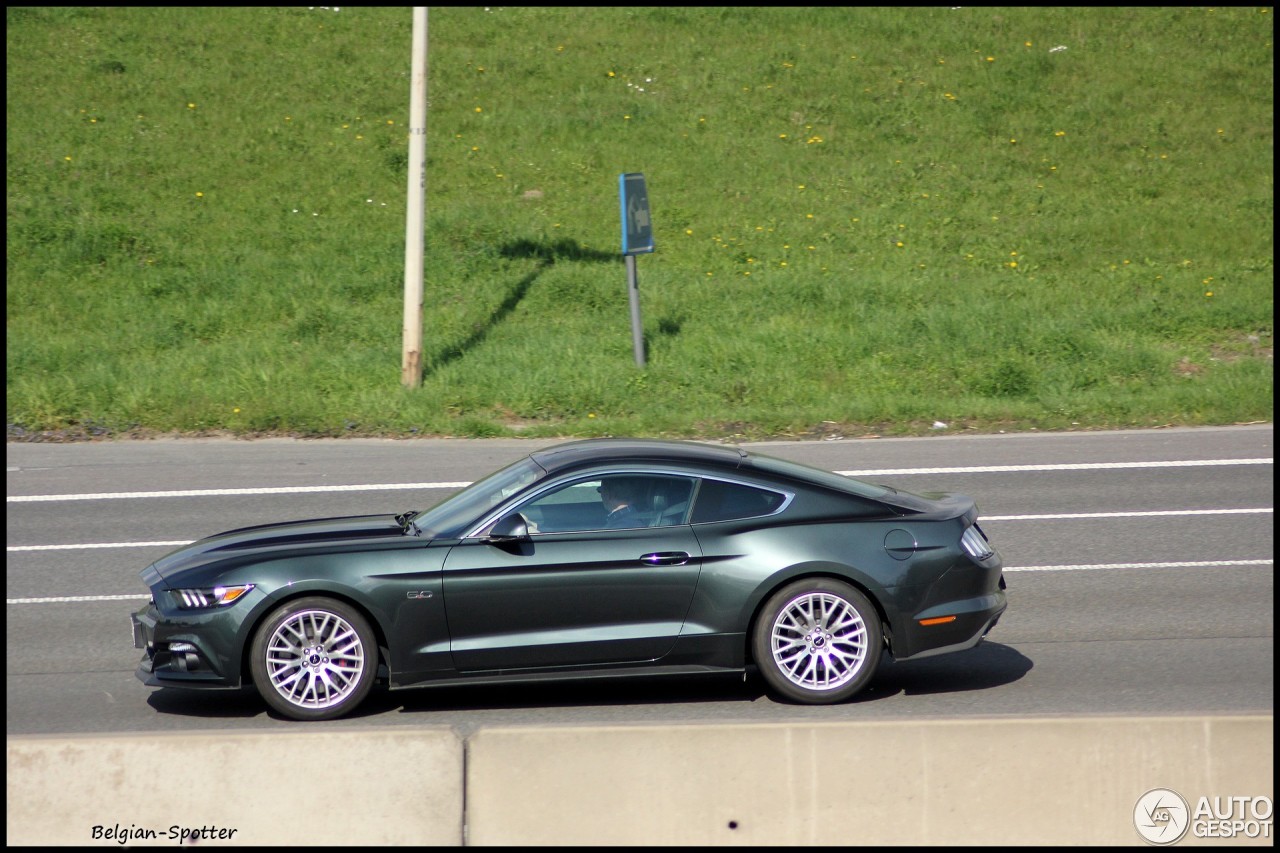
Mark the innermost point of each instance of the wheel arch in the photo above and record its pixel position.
(886, 626)
(380, 635)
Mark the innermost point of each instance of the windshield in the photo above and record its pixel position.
(450, 518)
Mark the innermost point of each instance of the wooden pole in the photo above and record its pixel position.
(415, 217)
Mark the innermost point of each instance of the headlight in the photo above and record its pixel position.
(218, 596)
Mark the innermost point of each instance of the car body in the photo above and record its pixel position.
(728, 560)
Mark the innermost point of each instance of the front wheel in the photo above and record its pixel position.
(314, 659)
(817, 641)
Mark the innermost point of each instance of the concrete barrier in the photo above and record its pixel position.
(974, 781)
(970, 781)
(298, 788)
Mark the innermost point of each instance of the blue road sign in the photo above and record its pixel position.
(637, 229)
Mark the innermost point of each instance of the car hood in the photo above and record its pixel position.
(288, 536)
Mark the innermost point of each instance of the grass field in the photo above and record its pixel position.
(867, 220)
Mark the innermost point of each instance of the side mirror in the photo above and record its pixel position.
(513, 528)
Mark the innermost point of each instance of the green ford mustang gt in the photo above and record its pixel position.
(590, 558)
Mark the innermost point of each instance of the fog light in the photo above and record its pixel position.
(184, 657)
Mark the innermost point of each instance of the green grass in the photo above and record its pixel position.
(866, 219)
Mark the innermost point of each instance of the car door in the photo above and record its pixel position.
(573, 592)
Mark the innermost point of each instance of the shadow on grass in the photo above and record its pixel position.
(546, 254)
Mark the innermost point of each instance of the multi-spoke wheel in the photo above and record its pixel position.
(314, 659)
(817, 641)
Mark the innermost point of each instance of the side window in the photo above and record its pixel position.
(669, 497)
(613, 501)
(573, 507)
(719, 501)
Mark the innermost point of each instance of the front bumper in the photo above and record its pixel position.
(183, 653)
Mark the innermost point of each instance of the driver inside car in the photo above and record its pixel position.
(618, 496)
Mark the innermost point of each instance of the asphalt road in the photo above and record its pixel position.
(1140, 568)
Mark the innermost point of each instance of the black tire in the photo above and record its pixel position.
(314, 658)
(817, 641)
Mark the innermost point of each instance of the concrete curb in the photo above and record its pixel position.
(969, 781)
(296, 789)
(975, 781)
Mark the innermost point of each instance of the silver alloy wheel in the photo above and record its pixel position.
(819, 641)
(315, 659)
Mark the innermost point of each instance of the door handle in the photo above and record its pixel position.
(665, 558)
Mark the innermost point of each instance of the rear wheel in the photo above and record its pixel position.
(314, 659)
(817, 641)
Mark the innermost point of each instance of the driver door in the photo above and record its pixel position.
(581, 596)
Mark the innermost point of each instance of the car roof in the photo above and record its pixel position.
(592, 451)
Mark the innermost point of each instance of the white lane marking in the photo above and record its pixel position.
(984, 519)
(379, 487)
(1204, 564)
(172, 544)
(1074, 466)
(66, 599)
(199, 493)
(1146, 513)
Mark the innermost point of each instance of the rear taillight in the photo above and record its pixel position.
(975, 543)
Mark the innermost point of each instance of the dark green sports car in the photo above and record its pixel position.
(592, 558)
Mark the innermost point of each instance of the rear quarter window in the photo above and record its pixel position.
(720, 501)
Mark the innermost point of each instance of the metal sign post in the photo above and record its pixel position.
(633, 296)
(637, 237)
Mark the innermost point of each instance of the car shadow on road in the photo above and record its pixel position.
(983, 667)
(653, 690)
(641, 690)
(987, 666)
(212, 704)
